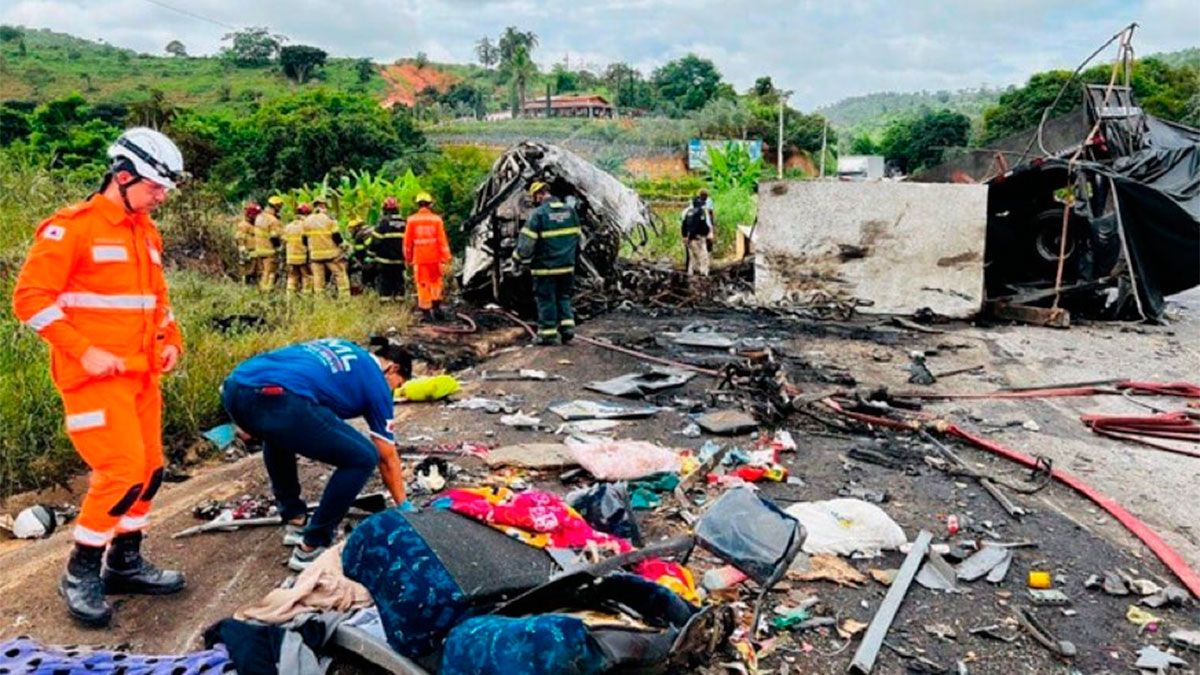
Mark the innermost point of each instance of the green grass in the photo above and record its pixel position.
(56, 65)
(34, 451)
(644, 131)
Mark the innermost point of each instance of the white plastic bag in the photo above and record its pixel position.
(847, 526)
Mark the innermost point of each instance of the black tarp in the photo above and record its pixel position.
(1157, 199)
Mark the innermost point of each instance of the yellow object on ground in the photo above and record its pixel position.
(1039, 579)
(432, 388)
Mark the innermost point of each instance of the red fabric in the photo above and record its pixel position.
(550, 522)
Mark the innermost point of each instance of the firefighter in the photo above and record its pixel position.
(243, 236)
(548, 245)
(360, 262)
(324, 250)
(427, 250)
(267, 229)
(295, 252)
(92, 286)
(386, 250)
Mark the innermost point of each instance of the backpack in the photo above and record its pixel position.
(695, 222)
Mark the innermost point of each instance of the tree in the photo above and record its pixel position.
(687, 83)
(422, 60)
(1021, 107)
(487, 52)
(365, 70)
(564, 80)
(512, 40)
(764, 87)
(14, 125)
(919, 142)
(253, 46)
(723, 118)
(864, 145)
(176, 48)
(299, 62)
(521, 69)
(10, 33)
(155, 111)
(629, 89)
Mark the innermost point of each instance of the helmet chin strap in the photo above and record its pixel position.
(124, 187)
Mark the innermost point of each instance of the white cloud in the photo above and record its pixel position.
(823, 50)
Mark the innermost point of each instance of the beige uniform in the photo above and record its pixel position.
(324, 254)
(243, 236)
(266, 227)
(295, 256)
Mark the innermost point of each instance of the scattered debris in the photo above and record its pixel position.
(885, 577)
(1141, 618)
(1048, 597)
(35, 522)
(984, 562)
(918, 371)
(1153, 658)
(1171, 596)
(826, 567)
(636, 385)
(1187, 639)
(519, 420)
(937, 575)
(490, 406)
(532, 456)
(623, 460)
(221, 436)
(868, 650)
(727, 422)
(847, 527)
(941, 630)
(1043, 636)
(517, 375)
(572, 411)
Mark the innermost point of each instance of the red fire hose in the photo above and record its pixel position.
(1169, 556)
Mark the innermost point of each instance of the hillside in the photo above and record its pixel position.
(56, 64)
(871, 113)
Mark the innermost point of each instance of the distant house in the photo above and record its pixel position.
(568, 106)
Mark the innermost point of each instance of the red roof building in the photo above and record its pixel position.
(568, 106)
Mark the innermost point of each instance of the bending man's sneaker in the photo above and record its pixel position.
(293, 533)
(126, 571)
(301, 558)
(82, 589)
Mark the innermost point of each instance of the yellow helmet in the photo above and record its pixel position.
(354, 223)
(275, 200)
(537, 187)
(424, 197)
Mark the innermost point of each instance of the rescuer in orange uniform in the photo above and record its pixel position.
(92, 286)
(426, 250)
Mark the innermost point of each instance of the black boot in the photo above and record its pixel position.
(82, 589)
(126, 571)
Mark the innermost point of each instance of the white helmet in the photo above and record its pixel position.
(153, 155)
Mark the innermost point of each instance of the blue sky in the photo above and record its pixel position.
(824, 51)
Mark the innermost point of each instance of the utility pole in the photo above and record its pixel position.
(779, 139)
(824, 137)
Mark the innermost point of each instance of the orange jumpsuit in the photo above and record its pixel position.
(94, 277)
(426, 250)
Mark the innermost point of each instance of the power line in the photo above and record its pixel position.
(192, 14)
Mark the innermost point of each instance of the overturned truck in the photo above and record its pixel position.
(984, 232)
(609, 213)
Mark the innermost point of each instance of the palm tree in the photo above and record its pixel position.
(488, 52)
(511, 40)
(522, 69)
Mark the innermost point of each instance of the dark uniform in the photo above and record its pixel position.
(548, 244)
(385, 248)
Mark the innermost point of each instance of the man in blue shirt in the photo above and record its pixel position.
(295, 399)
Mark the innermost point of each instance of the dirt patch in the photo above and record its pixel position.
(658, 166)
(406, 80)
(960, 259)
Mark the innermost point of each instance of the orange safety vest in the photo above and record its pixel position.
(94, 277)
(425, 239)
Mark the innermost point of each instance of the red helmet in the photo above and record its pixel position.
(390, 204)
(252, 210)
(303, 209)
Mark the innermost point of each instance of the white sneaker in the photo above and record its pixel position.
(301, 559)
(293, 535)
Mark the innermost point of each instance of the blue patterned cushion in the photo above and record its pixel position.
(548, 644)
